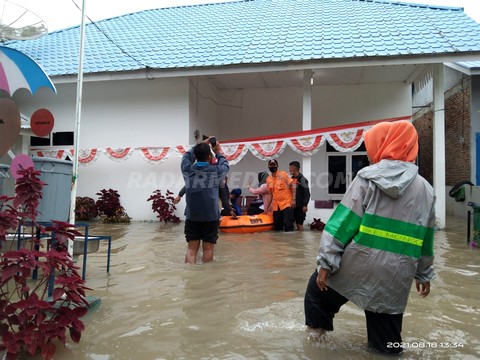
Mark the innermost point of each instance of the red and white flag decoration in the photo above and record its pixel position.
(234, 152)
(267, 150)
(180, 149)
(59, 154)
(87, 156)
(155, 155)
(346, 140)
(307, 145)
(119, 154)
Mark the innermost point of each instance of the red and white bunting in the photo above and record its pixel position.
(234, 152)
(59, 154)
(155, 155)
(307, 145)
(346, 140)
(267, 150)
(120, 154)
(87, 156)
(180, 149)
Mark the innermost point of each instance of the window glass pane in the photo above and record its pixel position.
(337, 166)
(358, 162)
(63, 138)
(39, 141)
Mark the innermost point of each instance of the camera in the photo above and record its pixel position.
(213, 141)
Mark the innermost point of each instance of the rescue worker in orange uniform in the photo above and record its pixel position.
(283, 190)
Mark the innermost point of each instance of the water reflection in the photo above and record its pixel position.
(248, 303)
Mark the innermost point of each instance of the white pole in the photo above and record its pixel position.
(306, 168)
(439, 144)
(78, 112)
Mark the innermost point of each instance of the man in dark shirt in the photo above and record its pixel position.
(302, 195)
(202, 182)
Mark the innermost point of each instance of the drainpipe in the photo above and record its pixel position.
(439, 145)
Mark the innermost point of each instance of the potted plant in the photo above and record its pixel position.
(85, 208)
(35, 314)
(164, 206)
(109, 208)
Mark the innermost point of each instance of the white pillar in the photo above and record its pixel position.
(439, 144)
(306, 162)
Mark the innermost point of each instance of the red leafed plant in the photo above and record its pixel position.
(163, 206)
(85, 208)
(109, 207)
(37, 313)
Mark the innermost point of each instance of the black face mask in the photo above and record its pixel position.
(272, 169)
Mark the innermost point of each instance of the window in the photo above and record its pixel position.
(343, 167)
(39, 141)
(62, 138)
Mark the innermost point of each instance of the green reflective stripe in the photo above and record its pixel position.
(391, 235)
(395, 236)
(427, 249)
(393, 225)
(381, 243)
(343, 224)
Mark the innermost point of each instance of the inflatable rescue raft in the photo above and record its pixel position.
(245, 224)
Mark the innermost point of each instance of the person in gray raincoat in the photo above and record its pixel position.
(378, 241)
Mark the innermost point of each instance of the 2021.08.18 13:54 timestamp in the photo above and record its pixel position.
(425, 345)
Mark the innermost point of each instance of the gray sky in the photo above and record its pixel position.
(59, 14)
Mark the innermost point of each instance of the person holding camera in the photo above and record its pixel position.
(202, 184)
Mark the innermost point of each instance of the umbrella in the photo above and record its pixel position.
(18, 70)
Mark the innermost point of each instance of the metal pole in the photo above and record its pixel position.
(468, 226)
(77, 124)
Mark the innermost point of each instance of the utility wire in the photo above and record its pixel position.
(149, 76)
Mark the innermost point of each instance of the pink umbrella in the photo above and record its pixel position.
(18, 71)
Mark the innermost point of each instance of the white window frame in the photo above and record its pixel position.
(349, 171)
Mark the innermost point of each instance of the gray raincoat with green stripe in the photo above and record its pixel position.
(380, 237)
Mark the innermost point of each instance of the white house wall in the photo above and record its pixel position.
(204, 105)
(261, 112)
(166, 112)
(120, 114)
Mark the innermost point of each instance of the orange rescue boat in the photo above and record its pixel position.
(245, 224)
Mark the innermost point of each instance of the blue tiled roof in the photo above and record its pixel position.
(257, 32)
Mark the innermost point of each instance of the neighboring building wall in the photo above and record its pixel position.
(457, 135)
(424, 125)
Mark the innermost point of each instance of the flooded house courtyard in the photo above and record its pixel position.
(248, 303)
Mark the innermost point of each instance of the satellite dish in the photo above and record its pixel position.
(18, 23)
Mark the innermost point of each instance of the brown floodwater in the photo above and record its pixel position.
(248, 303)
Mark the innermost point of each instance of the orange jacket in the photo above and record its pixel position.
(281, 186)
